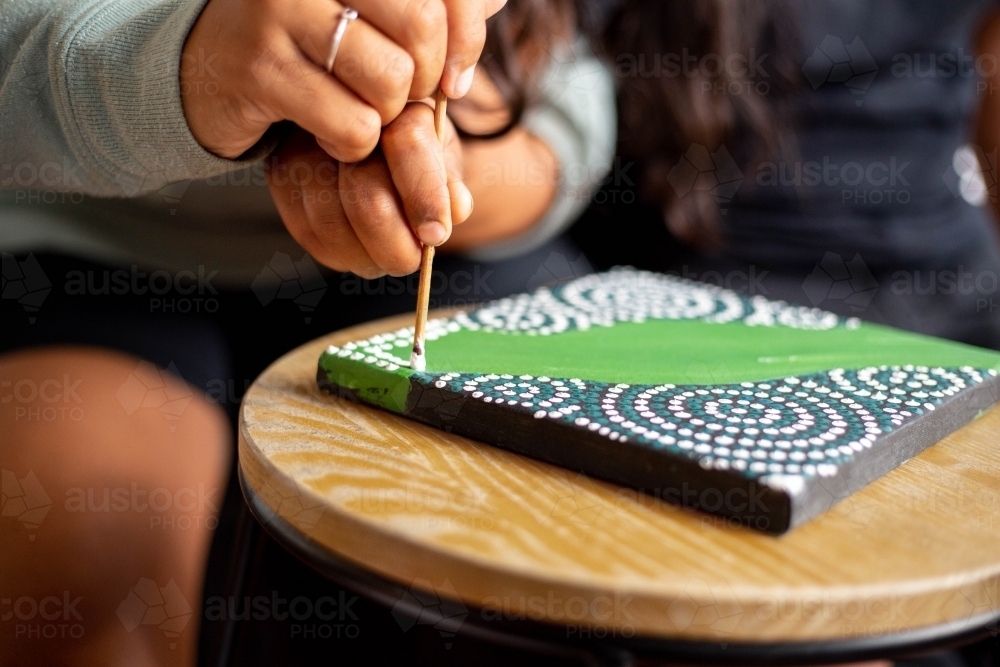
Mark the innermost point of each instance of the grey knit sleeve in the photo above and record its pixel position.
(575, 116)
(90, 97)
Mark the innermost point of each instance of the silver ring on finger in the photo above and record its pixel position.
(346, 16)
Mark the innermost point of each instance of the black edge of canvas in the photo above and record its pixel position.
(768, 510)
(895, 448)
(676, 479)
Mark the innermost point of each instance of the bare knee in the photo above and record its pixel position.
(112, 473)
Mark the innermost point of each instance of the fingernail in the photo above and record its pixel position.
(465, 202)
(432, 233)
(463, 84)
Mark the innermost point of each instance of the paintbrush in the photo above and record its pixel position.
(418, 359)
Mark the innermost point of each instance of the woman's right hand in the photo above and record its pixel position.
(250, 63)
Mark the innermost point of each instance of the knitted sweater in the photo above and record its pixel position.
(97, 160)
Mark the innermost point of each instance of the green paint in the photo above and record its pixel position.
(371, 384)
(673, 352)
(692, 352)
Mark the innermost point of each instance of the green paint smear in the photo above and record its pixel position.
(371, 384)
(690, 352)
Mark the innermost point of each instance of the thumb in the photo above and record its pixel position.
(462, 202)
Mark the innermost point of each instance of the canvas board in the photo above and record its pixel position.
(760, 411)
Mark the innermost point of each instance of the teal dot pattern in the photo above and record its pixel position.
(802, 426)
(625, 294)
(598, 300)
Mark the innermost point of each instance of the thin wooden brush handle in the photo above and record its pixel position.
(423, 297)
(440, 114)
(427, 252)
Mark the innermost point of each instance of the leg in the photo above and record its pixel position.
(132, 475)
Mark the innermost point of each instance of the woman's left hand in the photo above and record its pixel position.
(370, 217)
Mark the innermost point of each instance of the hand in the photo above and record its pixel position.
(367, 217)
(250, 63)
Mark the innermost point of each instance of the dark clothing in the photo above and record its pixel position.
(875, 152)
(219, 341)
(929, 263)
(864, 213)
(210, 335)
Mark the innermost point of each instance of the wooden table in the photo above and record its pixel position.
(527, 549)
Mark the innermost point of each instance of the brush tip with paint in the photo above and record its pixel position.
(418, 361)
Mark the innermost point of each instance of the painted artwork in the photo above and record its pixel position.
(756, 410)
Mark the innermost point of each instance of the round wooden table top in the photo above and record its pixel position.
(517, 538)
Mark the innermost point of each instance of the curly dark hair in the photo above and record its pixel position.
(666, 105)
(519, 40)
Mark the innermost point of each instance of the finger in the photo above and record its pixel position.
(339, 243)
(466, 37)
(462, 203)
(377, 216)
(416, 161)
(461, 198)
(288, 200)
(493, 6)
(298, 90)
(368, 63)
(283, 188)
(420, 27)
(313, 214)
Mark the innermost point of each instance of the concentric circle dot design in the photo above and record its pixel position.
(602, 299)
(797, 426)
(802, 426)
(628, 295)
